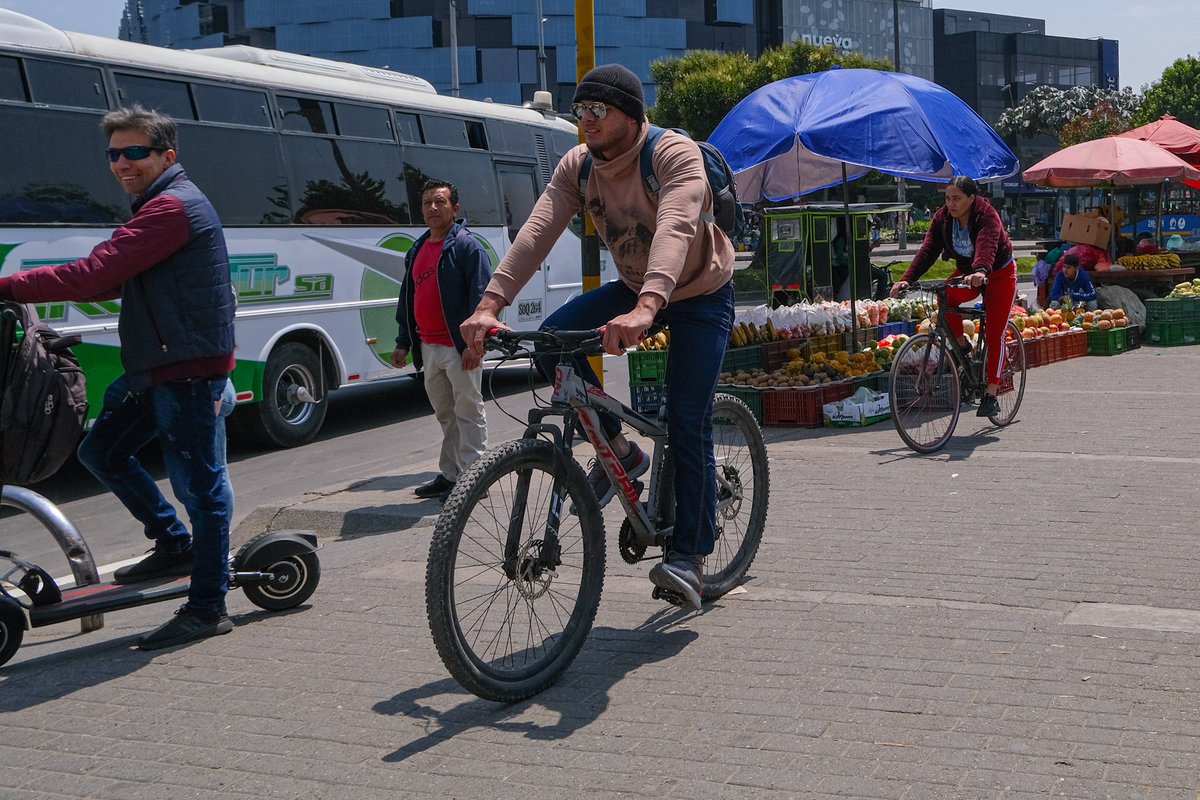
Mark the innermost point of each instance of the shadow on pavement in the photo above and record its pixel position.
(582, 696)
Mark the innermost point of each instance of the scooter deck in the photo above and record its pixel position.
(98, 598)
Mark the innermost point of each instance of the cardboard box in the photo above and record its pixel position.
(1088, 228)
(862, 408)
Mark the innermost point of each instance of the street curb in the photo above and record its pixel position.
(342, 511)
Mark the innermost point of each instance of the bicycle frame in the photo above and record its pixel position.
(579, 402)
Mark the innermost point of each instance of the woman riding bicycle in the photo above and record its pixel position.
(968, 231)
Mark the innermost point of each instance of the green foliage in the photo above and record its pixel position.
(1047, 109)
(918, 227)
(695, 92)
(1104, 120)
(1177, 93)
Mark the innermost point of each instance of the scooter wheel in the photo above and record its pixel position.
(296, 577)
(12, 628)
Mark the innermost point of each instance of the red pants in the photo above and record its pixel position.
(999, 294)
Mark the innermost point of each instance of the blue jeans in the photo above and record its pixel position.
(183, 416)
(700, 329)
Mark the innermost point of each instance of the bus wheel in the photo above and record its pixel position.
(289, 414)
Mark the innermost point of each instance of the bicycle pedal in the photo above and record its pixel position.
(674, 598)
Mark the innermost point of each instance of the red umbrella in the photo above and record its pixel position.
(1112, 161)
(1173, 135)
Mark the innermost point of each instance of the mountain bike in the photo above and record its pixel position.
(932, 376)
(516, 564)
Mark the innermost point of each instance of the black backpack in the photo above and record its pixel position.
(44, 404)
(727, 212)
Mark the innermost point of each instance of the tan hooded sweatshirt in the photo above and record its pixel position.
(662, 247)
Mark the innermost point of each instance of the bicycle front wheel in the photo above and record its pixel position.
(925, 392)
(1012, 375)
(743, 491)
(510, 603)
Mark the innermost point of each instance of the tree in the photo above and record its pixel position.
(1176, 93)
(695, 92)
(1047, 109)
(1103, 120)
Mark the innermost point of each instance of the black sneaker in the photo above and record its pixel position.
(635, 463)
(158, 564)
(187, 625)
(989, 406)
(682, 576)
(441, 485)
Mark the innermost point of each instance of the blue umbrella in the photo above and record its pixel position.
(809, 132)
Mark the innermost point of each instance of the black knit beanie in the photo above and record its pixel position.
(616, 86)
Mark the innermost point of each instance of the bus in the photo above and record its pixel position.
(315, 168)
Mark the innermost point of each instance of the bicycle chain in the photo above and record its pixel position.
(631, 551)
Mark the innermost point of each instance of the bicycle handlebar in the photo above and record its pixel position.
(937, 287)
(586, 343)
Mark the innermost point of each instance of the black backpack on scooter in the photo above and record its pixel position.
(44, 404)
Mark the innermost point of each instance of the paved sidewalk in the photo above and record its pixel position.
(1017, 617)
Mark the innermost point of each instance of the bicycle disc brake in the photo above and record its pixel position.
(631, 551)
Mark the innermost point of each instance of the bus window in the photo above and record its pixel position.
(408, 128)
(444, 131)
(366, 122)
(509, 137)
(305, 114)
(240, 170)
(470, 172)
(62, 176)
(234, 106)
(344, 182)
(519, 196)
(12, 86)
(56, 84)
(166, 97)
(476, 135)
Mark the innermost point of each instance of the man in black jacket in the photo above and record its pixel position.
(445, 274)
(169, 266)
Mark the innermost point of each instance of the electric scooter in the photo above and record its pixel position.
(277, 570)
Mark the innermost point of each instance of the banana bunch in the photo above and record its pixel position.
(659, 341)
(745, 333)
(1160, 261)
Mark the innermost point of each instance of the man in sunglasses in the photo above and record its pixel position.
(169, 267)
(675, 266)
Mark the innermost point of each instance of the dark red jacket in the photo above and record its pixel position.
(993, 248)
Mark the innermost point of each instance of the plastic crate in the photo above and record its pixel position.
(1172, 310)
(647, 399)
(1133, 337)
(1035, 352)
(1106, 343)
(750, 395)
(865, 337)
(1191, 332)
(775, 354)
(1164, 334)
(828, 343)
(891, 328)
(647, 367)
(869, 381)
(832, 392)
(798, 407)
(1075, 344)
(744, 358)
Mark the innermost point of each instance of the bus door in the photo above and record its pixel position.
(560, 279)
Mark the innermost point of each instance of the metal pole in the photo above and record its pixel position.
(848, 243)
(454, 47)
(901, 216)
(541, 47)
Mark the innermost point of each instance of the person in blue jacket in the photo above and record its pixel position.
(446, 271)
(1075, 282)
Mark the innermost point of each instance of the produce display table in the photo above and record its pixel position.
(1159, 278)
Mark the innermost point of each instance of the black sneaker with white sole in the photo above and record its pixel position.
(989, 406)
(188, 625)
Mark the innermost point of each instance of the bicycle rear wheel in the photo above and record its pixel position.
(925, 392)
(1012, 380)
(743, 492)
(504, 625)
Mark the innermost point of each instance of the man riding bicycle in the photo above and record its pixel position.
(676, 267)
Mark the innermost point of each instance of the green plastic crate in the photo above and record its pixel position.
(647, 367)
(750, 395)
(1165, 334)
(1107, 343)
(1172, 310)
(744, 358)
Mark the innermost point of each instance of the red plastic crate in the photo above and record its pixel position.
(798, 407)
(838, 390)
(1076, 344)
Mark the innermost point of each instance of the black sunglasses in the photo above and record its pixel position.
(132, 153)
